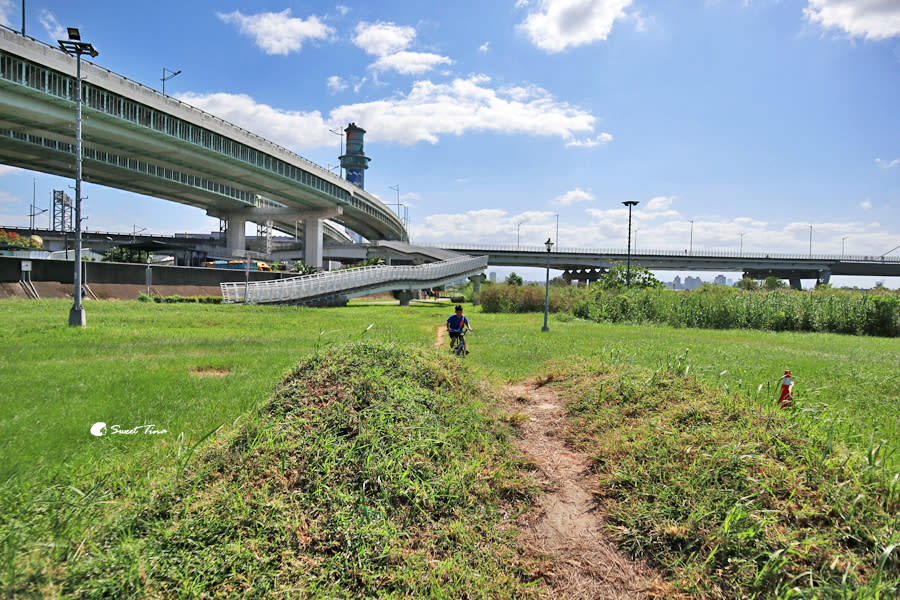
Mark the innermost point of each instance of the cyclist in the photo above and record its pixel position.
(457, 325)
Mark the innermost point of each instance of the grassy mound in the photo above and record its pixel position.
(374, 471)
(730, 499)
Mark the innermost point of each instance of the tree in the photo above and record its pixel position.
(514, 279)
(747, 284)
(617, 278)
(303, 269)
(125, 255)
(773, 283)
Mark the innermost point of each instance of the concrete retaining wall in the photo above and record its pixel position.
(63, 271)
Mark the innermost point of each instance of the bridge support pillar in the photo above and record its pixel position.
(405, 296)
(823, 278)
(312, 241)
(476, 288)
(235, 237)
(795, 282)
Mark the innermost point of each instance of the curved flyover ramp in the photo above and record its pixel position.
(350, 283)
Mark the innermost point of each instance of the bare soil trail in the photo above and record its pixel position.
(441, 336)
(565, 523)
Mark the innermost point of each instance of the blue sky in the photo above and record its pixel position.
(752, 118)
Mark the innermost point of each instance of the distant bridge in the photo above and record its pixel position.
(140, 140)
(587, 264)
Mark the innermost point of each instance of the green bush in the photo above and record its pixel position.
(507, 298)
(176, 299)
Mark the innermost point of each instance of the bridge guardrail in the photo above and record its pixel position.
(335, 282)
(673, 253)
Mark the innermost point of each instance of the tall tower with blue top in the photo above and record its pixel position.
(354, 161)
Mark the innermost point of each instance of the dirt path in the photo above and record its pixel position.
(441, 336)
(565, 524)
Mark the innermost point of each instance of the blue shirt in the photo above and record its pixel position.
(455, 323)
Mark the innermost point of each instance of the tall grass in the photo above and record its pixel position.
(827, 310)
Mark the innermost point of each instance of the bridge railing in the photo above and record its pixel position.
(336, 282)
(673, 253)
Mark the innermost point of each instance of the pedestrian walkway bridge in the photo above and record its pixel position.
(330, 286)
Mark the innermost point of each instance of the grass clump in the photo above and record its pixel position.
(731, 500)
(374, 471)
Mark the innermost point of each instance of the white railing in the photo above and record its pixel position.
(351, 282)
(542, 250)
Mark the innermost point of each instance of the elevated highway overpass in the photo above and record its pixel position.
(589, 263)
(140, 140)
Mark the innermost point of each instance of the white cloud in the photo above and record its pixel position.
(484, 47)
(6, 9)
(336, 84)
(870, 19)
(427, 112)
(342, 9)
(660, 203)
(488, 225)
(573, 197)
(292, 129)
(463, 105)
(54, 29)
(382, 39)
(603, 138)
(389, 42)
(865, 204)
(7, 198)
(887, 164)
(8, 170)
(561, 24)
(410, 63)
(278, 33)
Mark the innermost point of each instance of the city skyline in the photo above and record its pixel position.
(758, 125)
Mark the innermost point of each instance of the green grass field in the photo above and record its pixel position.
(190, 369)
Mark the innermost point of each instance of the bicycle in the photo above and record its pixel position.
(460, 348)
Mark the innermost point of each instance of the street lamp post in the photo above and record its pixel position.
(75, 46)
(842, 245)
(691, 251)
(34, 212)
(810, 241)
(557, 229)
(340, 134)
(742, 234)
(629, 204)
(518, 229)
(165, 77)
(549, 245)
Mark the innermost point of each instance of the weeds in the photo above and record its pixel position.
(730, 500)
(373, 472)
